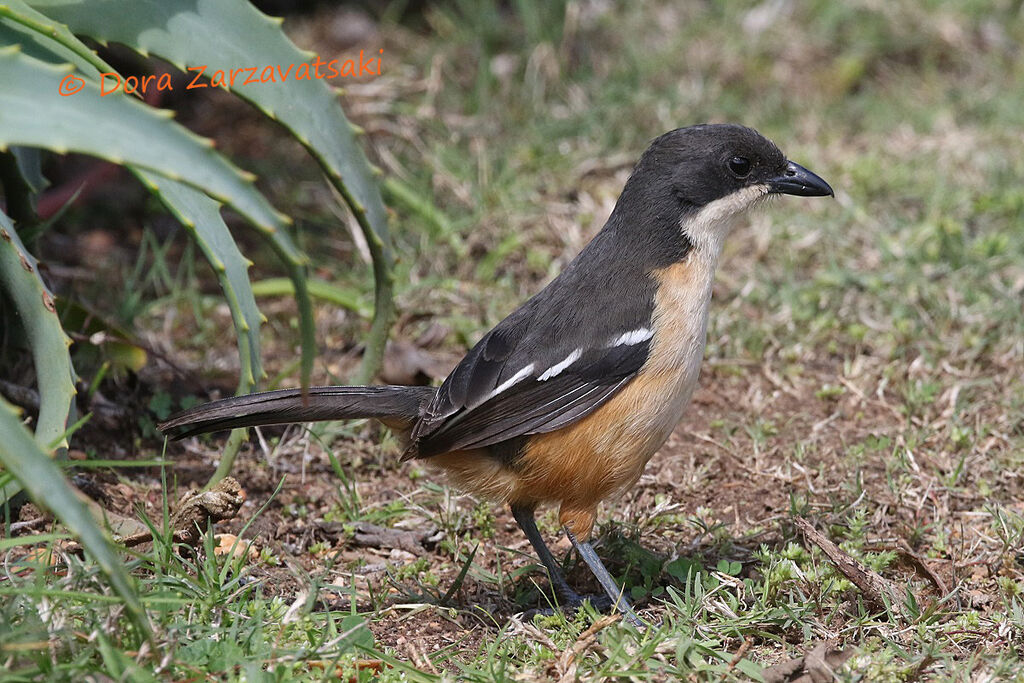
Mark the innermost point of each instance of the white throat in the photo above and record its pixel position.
(683, 298)
(708, 228)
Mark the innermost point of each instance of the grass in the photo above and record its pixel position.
(864, 367)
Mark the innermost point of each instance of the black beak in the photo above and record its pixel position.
(799, 181)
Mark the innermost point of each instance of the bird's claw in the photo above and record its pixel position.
(570, 603)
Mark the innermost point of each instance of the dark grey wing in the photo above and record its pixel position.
(536, 403)
(551, 362)
(479, 373)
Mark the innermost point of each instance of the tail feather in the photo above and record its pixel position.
(393, 404)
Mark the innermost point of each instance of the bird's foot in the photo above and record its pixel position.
(569, 603)
(599, 601)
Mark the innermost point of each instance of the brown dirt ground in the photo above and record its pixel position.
(745, 484)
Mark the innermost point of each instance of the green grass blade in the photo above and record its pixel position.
(318, 289)
(44, 481)
(229, 36)
(440, 227)
(35, 539)
(30, 165)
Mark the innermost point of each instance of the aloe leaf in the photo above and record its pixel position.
(197, 212)
(19, 277)
(33, 28)
(46, 37)
(201, 217)
(44, 481)
(120, 129)
(229, 36)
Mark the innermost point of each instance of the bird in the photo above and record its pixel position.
(567, 399)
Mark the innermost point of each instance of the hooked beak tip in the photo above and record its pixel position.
(797, 180)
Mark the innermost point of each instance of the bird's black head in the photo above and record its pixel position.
(691, 182)
(702, 164)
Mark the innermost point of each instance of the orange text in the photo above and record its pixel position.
(247, 75)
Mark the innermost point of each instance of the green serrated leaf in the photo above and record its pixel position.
(23, 24)
(122, 130)
(43, 38)
(46, 486)
(201, 217)
(20, 280)
(231, 36)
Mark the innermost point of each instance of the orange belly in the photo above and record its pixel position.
(582, 464)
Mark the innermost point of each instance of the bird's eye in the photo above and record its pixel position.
(740, 166)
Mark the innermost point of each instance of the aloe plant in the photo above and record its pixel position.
(226, 36)
(41, 54)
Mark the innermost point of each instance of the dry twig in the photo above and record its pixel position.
(873, 585)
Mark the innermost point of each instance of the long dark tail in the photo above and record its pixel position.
(391, 404)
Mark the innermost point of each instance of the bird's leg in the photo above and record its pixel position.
(613, 590)
(525, 519)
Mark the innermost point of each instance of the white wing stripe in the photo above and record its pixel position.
(634, 337)
(556, 369)
(514, 379)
